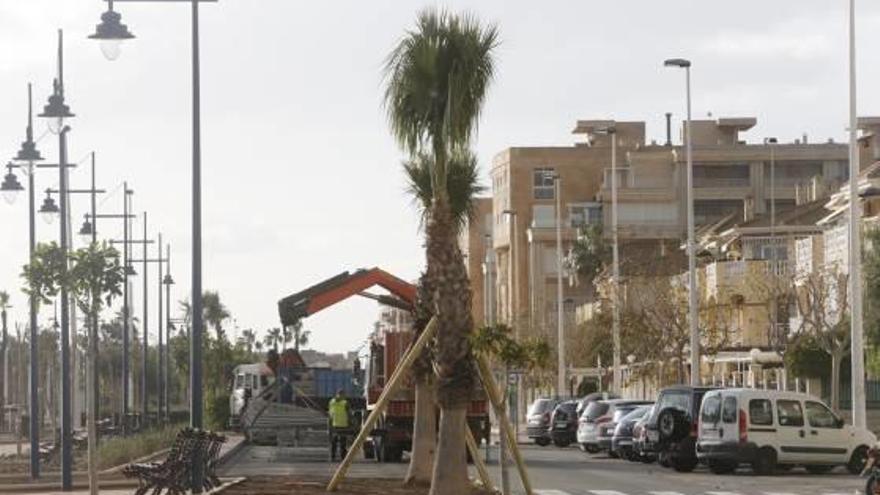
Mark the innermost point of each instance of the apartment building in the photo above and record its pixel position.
(732, 179)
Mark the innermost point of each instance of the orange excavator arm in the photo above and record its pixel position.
(333, 290)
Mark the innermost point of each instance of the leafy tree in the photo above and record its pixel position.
(436, 82)
(823, 311)
(590, 253)
(215, 312)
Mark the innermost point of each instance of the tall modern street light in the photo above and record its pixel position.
(56, 111)
(611, 130)
(855, 240)
(693, 321)
(560, 328)
(27, 156)
(774, 269)
(114, 31)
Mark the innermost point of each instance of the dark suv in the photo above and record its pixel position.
(538, 420)
(564, 423)
(672, 428)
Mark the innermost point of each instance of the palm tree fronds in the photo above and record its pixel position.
(462, 184)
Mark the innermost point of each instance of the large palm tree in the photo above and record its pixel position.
(437, 78)
(462, 187)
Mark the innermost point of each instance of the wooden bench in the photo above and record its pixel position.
(174, 474)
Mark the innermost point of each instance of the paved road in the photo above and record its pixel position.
(566, 472)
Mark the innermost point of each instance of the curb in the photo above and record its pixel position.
(231, 452)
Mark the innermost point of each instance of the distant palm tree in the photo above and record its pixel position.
(249, 338)
(258, 346)
(437, 77)
(4, 306)
(272, 338)
(215, 312)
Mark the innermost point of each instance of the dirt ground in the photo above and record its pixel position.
(281, 485)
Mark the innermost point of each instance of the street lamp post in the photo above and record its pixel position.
(615, 262)
(159, 260)
(693, 321)
(29, 154)
(57, 111)
(145, 327)
(560, 328)
(89, 228)
(855, 240)
(774, 269)
(114, 31)
(167, 281)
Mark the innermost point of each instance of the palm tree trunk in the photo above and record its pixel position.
(424, 433)
(452, 299)
(425, 422)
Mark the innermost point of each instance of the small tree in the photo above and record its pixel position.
(591, 253)
(823, 310)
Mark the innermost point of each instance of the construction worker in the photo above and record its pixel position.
(339, 424)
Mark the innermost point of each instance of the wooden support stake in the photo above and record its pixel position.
(497, 401)
(478, 461)
(390, 388)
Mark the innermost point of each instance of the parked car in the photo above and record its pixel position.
(538, 420)
(564, 423)
(584, 401)
(617, 410)
(622, 441)
(672, 428)
(640, 437)
(770, 428)
(594, 417)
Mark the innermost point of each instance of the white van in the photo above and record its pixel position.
(250, 380)
(769, 428)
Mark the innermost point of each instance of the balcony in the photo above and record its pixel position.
(724, 278)
(721, 182)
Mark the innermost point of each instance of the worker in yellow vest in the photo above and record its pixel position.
(339, 425)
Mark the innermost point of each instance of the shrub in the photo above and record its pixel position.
(121, 450)
(218, 412)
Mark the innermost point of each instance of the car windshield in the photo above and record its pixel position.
(541, 406)
(622, 412)
(595, 410)
(636, 414)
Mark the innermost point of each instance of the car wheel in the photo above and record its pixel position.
(765, 462)
(561, 443)
(819, 469)
(684, 464)
(722, 467)
(663, 459)
(672, 425)
(857, 460)
(542, 442)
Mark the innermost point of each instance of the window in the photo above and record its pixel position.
(711, 409)
(761, 412)
(790, 413)
(677, 400)
(583, 214)
(543, 216)
(728, 410)
(544, 187)
(239, 381)
(820, 416)
(595, 410)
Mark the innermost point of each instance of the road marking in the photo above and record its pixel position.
(549, 492)
(666, 493)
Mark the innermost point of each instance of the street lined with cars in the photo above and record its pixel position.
(746, 434)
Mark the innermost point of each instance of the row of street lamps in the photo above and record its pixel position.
(57, 111)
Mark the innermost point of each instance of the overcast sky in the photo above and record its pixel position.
(301, 178)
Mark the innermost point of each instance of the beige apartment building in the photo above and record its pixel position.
(731, 180)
